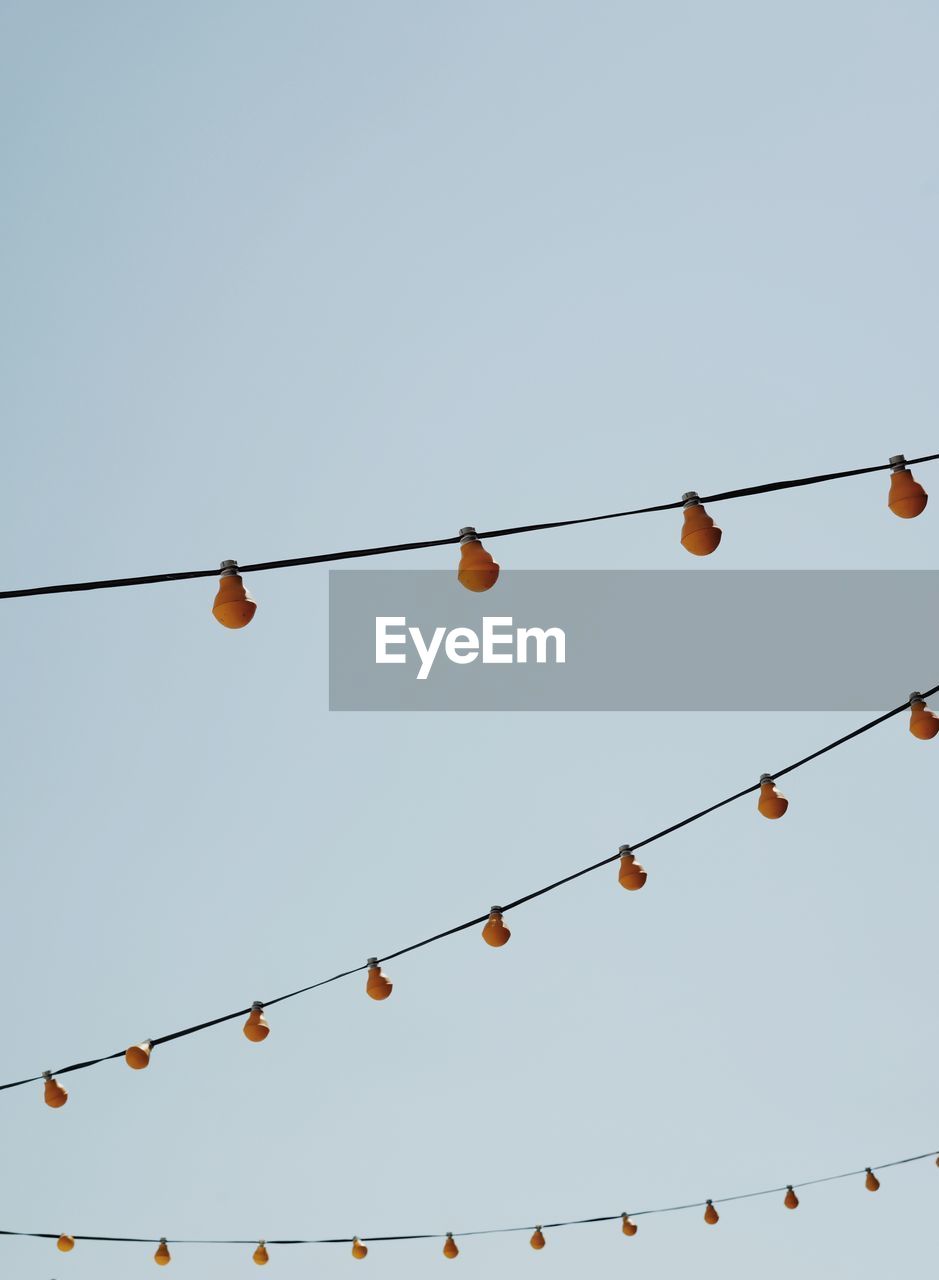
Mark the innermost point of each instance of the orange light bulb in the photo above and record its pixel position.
(53, 1093)
(478, 571)
(872, 1182)
(632, 874)
(359, 1250)
(65, 1244)
(771, 804)
(260, 1254)
(699, 534)
(450, 1249)
(537, 1239)
(792, 1200)
(256, 1028)
(710, 1214)
(138, 1055)
(907, 498)
(629, 1227)
(377, 985)
(162, 1255)
(495, 931)
(924, 723)
(233, 607)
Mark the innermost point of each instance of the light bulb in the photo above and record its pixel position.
(537, 1239)
(792, 1200)
(629, 1227)
(710, 1214)
(923, 722)
(162, 1255)
(632, 874)
(377, 985)
(699, 534)
(138, 1055)
(872, 1182)
(907, 498)
(359, 1250)
(65, 1244)
(260, 1254)
(478, 571)
(495, 930)
(256, 1028)
(450, 1249)
(54, 1094)
(771, 804)
(233, 606)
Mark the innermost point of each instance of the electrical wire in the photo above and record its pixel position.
(330, 557)
(481, 919)
(491, 1231)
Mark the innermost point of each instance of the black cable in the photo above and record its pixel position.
(476, 920)
(488, 1231)
(773, 486)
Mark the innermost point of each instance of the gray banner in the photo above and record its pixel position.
(632, 640)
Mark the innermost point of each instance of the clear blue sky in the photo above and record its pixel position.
(293, 277)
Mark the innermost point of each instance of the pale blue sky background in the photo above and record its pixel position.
(292, 277)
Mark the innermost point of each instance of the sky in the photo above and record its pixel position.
(289, 278)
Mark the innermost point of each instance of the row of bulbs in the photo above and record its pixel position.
(66, 1243)
(632, 875)
(478, 571)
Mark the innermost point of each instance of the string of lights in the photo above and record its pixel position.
(234, 608)
(629, 1227)
(924, 724)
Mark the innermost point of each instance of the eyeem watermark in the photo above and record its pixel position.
(499, 644)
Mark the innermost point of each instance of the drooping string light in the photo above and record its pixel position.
(233, 607)
(260, 1255)
(537, 1239)
(137, 1056)
(699, 534)
(771, 803)
(907, 498)
(710, 1214)
(924, 723)
(450, 1249)
(792, 1200)
(478, 571)
(495, 931)
(65, 1243)
(872, 1182)
(256, 1028)
(359, 1250)
(629, 1227)
(162, 1255)
(53, 1093)
(377, 985)
(632, 874)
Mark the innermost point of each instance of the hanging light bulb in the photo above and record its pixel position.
(771, 804)
(54, 1094)
(632, 874)
(872, 1182)
(478, 571)
(907, 498)
(359, 1250)
(450, 1249)
(377, 985)
(65, 1244)
(629, 1227)
(256, 1028)
(923, 722)
(699, 534)
(260, 1254)
(537, 1239)
(233, 606)
(162, 1255)
(792, 1200)
(710, 1214)
(495, 931)
(138, 1055)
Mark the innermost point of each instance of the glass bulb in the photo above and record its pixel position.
(771, 804)
(495, 931)
(907, 498)
(233, 607)
(162, 1255)
(65, 1244)
(924, 723)
(629, 1227)
(699, 534)
(792, 1200)
(138, 1055)
(450, 1249)
(872, 1182)
(478, 571)
(53, 1093)
(377, 985)
(711, 1215)
(632, 874)
(359, 1250)
(537, 1239)
(256, 1028)
(260, 1254)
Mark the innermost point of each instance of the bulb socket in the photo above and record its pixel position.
(372, 962)
(898, 462)
(468, 534)
(495, 911)
(916, 697)
(690, 499)
(228, 569)
(624, 848)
